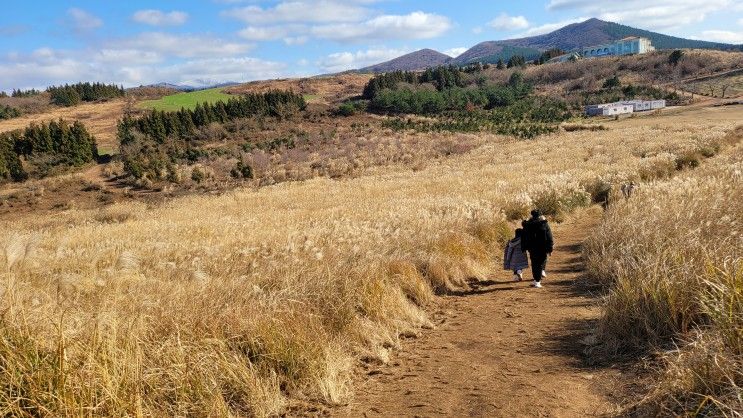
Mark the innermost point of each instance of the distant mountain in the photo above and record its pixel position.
(173, 86)
(418, 60)
(186, 88)
(574, 36)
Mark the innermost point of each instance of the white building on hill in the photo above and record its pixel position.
(609, 109)
(626, 46)
(621, 108)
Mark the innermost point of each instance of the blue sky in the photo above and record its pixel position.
(203, 42)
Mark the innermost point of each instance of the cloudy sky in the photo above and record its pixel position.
(202, 42)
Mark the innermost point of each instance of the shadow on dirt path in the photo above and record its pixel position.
(501, 349)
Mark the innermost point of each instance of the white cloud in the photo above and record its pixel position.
(504, 22)
(81, 21)
(301, 11)
(549, 27)
(342, 61)
(723, 36)
(455, 52)
(45, 66)
(477, 30)
(740, 21)
(416, 25)
(296, 40)
(182, 46)
(655, 15)
(264, 33)
(159, 18)
(204, 72)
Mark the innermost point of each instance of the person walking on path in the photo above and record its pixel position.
(513, 258)
(537, 240)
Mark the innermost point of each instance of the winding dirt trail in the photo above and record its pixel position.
(502, 349)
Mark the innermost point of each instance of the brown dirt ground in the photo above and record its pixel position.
(503, 349)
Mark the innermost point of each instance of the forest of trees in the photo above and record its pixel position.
(10, 165)
(25, 93)
(441, 77)
(71, 95)
(548, 55)
(449, 93)
(45, 146)
(151, 143)
(8, 112)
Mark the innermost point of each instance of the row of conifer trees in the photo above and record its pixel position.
(73, 94)
(161, 125)
(58, 142)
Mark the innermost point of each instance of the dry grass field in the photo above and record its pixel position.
(259, 301)
(99, 118)
(323, 90)
(671, 257)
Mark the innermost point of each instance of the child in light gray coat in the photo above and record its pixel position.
(514, 259)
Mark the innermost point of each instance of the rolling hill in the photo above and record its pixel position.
(573, 36)
(417, 60)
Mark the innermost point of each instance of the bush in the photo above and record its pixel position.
(242, 170)
(8, 112)
(197, 175)
(346, 109)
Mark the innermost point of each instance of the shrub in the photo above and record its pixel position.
(242, 170)
(8, 112)
(690, 159)
(346, 109)
(197, 175)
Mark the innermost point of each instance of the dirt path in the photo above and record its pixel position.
(503, 349)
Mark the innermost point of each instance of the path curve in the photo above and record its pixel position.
(503, 349)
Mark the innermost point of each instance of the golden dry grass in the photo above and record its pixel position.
(99, 118)
(672, 257)
(316, 89)
(242, 303)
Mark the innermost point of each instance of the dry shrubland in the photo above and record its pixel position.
(251, 302)
(671, 257)
(650, 68)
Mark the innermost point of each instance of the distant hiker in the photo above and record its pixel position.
(537, 240)
(627, 189)
(513, 258)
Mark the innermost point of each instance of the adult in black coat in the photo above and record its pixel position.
(537, 240)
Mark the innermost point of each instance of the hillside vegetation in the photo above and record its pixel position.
(575, 36)
(218, 303)
(671, 260)
(178, 101)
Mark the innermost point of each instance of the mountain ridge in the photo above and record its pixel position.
(570, 37)
(417, 60)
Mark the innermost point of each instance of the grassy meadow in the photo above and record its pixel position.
(256, 301)
(175, 102)
(671, 259)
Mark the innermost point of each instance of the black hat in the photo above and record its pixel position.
(536, 213)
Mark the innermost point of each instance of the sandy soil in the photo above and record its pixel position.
(503, 349)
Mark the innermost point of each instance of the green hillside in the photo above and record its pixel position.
(186, 100)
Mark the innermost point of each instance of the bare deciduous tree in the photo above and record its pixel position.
(724, 88)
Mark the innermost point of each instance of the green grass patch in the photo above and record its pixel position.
(177, 101)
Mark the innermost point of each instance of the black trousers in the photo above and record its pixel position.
(538, 264)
